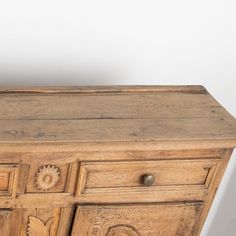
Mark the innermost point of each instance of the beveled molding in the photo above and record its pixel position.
(8, 179)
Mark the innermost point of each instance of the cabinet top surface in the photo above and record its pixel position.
(113, 113)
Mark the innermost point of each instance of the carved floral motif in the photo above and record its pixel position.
(36, 227)
(122, 230)
(47, 177)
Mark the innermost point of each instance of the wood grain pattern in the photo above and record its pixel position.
(117, 114)
(135, 106)
(107, 130)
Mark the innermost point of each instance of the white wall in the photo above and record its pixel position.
(53, 42)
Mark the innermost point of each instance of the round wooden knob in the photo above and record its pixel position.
(148, 179)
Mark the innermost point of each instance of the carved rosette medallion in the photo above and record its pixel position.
(47, 177)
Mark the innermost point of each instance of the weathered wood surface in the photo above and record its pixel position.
(122, 114)
(108, 106)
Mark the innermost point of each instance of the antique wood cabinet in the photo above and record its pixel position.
(110, 161)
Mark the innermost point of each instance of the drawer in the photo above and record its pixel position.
(160, 180)
(136, 220)
(8, 180)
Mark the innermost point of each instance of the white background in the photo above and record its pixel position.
(53, 42)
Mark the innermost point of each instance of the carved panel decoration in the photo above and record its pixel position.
(136, 219)
(122, 230)
(47, 177)
(37, 227)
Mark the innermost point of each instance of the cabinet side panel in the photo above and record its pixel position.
(213, 189)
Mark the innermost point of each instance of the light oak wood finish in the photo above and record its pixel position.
(8, 180)
(136, 220)
(124, 180)
(73, 160)
(5, 217)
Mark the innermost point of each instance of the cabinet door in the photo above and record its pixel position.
(5, 215)
(137, 220)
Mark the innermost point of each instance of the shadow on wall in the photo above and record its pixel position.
(51, 78)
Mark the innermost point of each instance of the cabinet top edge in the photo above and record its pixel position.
(194, 89)
(104, 146)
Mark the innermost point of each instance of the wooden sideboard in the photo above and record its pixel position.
(110, 161)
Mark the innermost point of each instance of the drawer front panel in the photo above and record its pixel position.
(137, 220)
(8, 180)
(124, 178)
